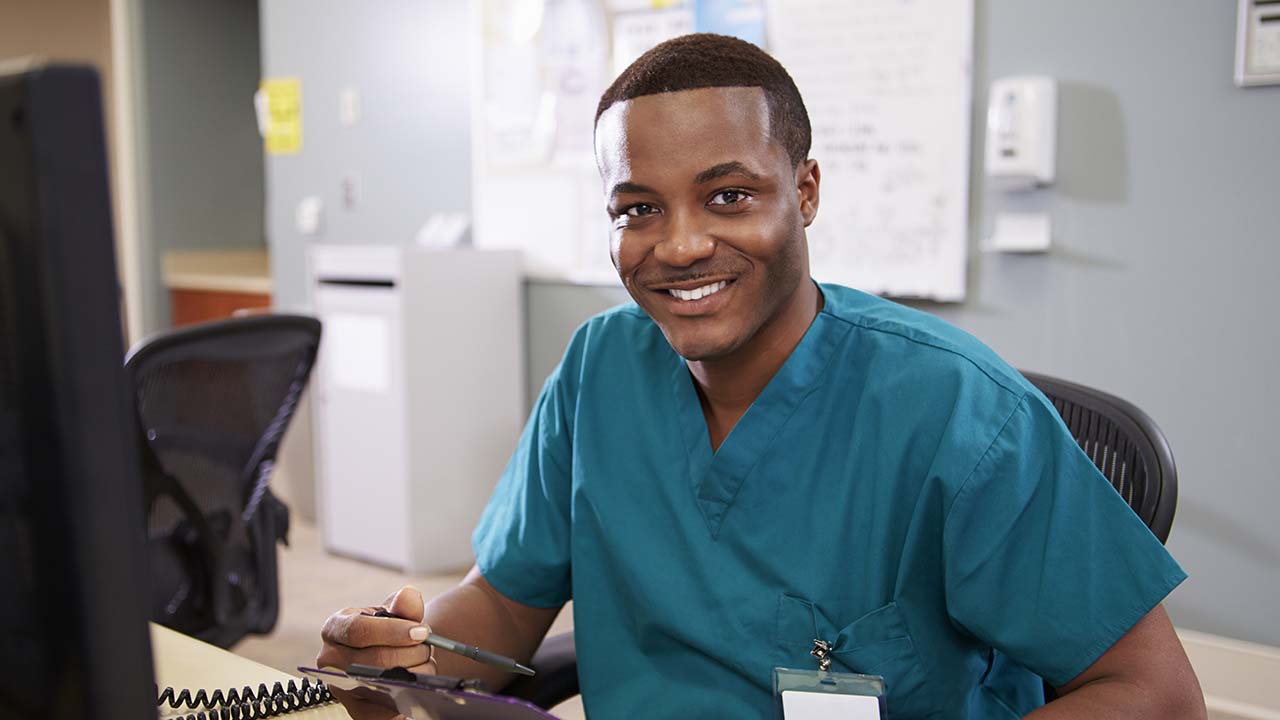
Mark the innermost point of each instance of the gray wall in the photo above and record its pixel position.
(1161, 285)
(202, 161)
(410, 151)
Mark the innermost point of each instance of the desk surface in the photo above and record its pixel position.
(240, 271)
(183, 662)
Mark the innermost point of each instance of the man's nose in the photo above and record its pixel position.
(685, 243)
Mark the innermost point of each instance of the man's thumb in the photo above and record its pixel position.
(407, 603)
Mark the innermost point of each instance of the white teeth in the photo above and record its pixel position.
(698, 293)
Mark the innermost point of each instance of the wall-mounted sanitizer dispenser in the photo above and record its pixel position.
(1022, 124)
(1022, 128)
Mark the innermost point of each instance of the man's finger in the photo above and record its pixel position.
(336, 656)
(351, 627)
(407, 603)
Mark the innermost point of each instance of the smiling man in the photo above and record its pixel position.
(744, 461)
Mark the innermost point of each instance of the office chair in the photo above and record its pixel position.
(1122, 441)
(213, 403)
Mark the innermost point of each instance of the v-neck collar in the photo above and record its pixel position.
(717, 477)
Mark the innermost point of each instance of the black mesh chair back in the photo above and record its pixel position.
(213, 402)
(1124, 443)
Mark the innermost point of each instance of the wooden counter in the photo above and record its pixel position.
(215, 284)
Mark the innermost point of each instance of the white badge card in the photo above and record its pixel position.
(823, 695)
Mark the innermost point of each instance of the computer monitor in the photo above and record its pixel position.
(73, 608)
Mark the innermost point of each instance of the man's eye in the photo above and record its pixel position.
(640, 209)
(728, 197)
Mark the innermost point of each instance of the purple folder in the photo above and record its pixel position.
(421, 703)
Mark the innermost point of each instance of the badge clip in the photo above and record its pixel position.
(822, 651)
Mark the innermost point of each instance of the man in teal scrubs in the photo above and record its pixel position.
(744, 461)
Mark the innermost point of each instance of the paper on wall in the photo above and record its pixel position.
(282, 129)
(574, 51)
(635, 33)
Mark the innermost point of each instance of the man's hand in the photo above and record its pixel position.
(474, 612)
(1146, 674)
(351, 636)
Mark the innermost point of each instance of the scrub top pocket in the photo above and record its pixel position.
(877, 643)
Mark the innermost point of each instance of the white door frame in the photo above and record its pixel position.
(126, 52)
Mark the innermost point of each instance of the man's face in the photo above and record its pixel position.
(708, 214)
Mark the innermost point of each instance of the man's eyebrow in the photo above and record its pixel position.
(630, 187)
(715, 172)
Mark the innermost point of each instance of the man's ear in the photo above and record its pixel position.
(808, 177)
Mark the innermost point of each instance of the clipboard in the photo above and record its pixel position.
(426, 697)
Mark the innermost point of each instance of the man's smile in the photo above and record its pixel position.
(695, 298)
(698, 292)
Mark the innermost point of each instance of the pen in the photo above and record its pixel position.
(467, 651)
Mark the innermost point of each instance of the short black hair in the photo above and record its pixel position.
(707, 60)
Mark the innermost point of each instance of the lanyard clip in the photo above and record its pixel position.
(822, 651)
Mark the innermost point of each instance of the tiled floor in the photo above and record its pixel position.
(314, 583)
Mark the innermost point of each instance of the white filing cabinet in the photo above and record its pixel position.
(419, 397)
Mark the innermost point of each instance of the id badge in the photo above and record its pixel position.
(821, 694)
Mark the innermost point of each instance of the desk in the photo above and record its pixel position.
(184, 662)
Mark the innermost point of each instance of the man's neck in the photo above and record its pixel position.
(728, 385)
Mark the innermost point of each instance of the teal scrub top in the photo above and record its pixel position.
(896, 489)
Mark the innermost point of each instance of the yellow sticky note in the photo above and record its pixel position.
(283, 132)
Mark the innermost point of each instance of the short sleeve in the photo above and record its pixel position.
(1044, 561)
(522, 541)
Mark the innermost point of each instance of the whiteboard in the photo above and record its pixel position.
(887, 84)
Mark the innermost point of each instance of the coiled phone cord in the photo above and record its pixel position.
(245, 704)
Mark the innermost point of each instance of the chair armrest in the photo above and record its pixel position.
(556, 663)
